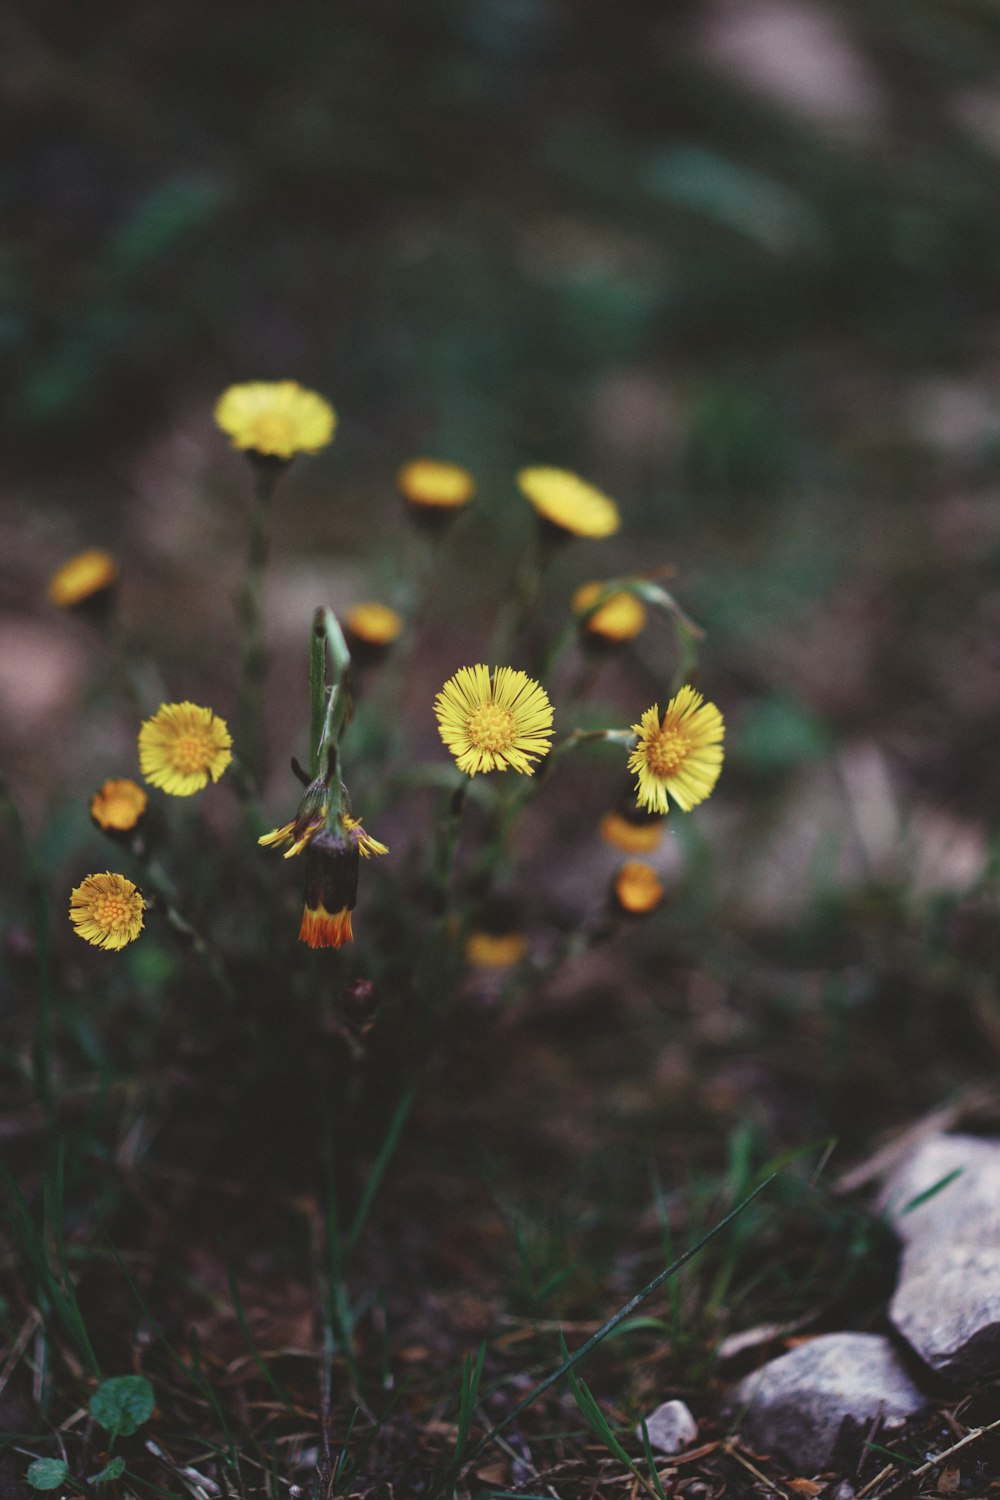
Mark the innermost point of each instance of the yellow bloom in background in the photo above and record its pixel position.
(82, 577)
(493, 950)
(568, 502)
(620, 618)
(275, 418)
(638, 888)
(183, 745)
(494, 725)
(118, 805)
(436, 485)
(107, 910)
(631, 836)
(373, 624)
(682, 754)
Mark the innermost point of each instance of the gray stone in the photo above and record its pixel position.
(947, 1300)
(796, 1407)
(671, 1428)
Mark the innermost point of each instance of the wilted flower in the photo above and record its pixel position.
(331, 890)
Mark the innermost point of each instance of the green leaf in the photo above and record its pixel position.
(123, 1403)
(47, 1473)
(112, 1470)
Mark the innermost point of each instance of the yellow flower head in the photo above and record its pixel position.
(275, 418)
(620, 618)
(495, 950)
(118, 806)
(682, 754)
(82, 578)
(494, 725)
(568, 502)
(107, 910)
(639, 835)
(638, 888)
(183, 745)
(373, 625)
(435, 485)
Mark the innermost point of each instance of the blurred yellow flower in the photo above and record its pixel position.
(640, 836)
(373, 624)
(83, 576)
(494, 725)
(638, 888)
(620, 618)
(568, 502)
(681, 755)
(118, 805)
(275, 418)
(183, 745)
(107, 910)
(493, 950)
(436, 485)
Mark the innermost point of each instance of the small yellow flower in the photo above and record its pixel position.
(494, 725)
(638, 888)
(435, 485)
(373, 624)
(107, 910)
(568, 502)
(632, 836)
(493, 950)
(275, 418)
(118, 805)
(183, 745)
(681, 755)
(620, 618)
(82, 578)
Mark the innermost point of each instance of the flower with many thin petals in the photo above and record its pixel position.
(680, 754)
(494, 724)
(569, 503)
(275, 418)
(107, 910)
(182, 746)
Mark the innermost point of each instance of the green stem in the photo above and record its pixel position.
(252, 659)
(166, 891)
(38, 897)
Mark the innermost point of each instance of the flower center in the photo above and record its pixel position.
(491, 727)
(112, 913)
(272, 432)
(667, 752)
(189, 754)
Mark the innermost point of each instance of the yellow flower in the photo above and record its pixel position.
(568, 502)
(633, 836)
(275, 418)
(494, 726)
(311, 819)
(84, 576)
(621, 617)
(435, 485)
(107, 910)
(373, 624)
(638, 888)
(495, 950)
(183, 745)
(118, 805)
(681, 755)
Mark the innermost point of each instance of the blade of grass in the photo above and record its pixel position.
(374, 1179)
(617, 1318)
(258, 1358)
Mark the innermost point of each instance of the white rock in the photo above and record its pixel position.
(797, 1405)
(671, 1428)
(947, 1301)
